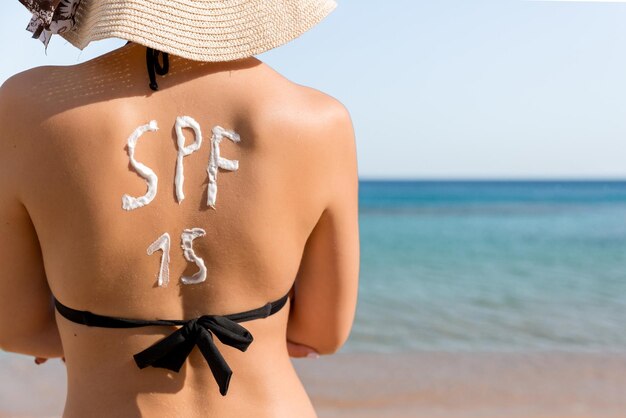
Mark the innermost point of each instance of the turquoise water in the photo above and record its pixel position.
(491, 266)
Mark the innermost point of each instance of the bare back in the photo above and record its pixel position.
(74, 175)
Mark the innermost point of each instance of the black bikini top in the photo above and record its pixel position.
(172, 351)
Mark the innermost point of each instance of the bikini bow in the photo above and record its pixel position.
(50, 17)
(172, 351)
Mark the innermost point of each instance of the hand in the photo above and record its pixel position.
(41, 360)
(301, 350)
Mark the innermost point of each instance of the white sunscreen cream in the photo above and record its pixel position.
(129, 202)
(162, 243)
(183, 151)
(187, 238)
(216, 161)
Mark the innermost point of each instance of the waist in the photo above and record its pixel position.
(101, 371)
(266, 384)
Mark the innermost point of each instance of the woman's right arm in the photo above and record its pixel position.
(326, 285)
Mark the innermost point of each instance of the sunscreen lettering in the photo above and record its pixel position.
(187, 237)
(129, 202)
(216, 161)
(183, 151)
(162, 243)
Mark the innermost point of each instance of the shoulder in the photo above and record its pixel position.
(307, 99)
(19, 85)
(22, 98)
(38, 89)
(32, 100)
(326, 123)
(23, 111)
(316, 130)
(15, 110)
(330, 129)
(303, 111)
(330, 112)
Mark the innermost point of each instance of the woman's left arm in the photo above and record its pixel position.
(27, 317)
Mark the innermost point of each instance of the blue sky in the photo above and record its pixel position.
(446, 88)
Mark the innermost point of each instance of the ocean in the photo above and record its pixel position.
(491, 266)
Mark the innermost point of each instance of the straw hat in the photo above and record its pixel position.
(201, 30)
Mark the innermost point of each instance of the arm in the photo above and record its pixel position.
(326, 285)
(27, 320)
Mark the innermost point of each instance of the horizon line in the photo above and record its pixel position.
(497, 179)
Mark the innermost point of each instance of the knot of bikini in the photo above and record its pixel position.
(172, 351)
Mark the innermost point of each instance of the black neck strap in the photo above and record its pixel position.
(154, 67)
(152, 61)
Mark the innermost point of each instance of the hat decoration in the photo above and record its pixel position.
(50, 17)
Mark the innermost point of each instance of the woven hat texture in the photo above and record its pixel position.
(202, 30)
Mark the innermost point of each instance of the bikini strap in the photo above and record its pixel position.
(95, 320)
(172, 351)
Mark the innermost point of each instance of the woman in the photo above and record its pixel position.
(207, 195)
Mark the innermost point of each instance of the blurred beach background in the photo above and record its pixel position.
(491, 142)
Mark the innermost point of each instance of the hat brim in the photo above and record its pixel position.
(201, 31)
